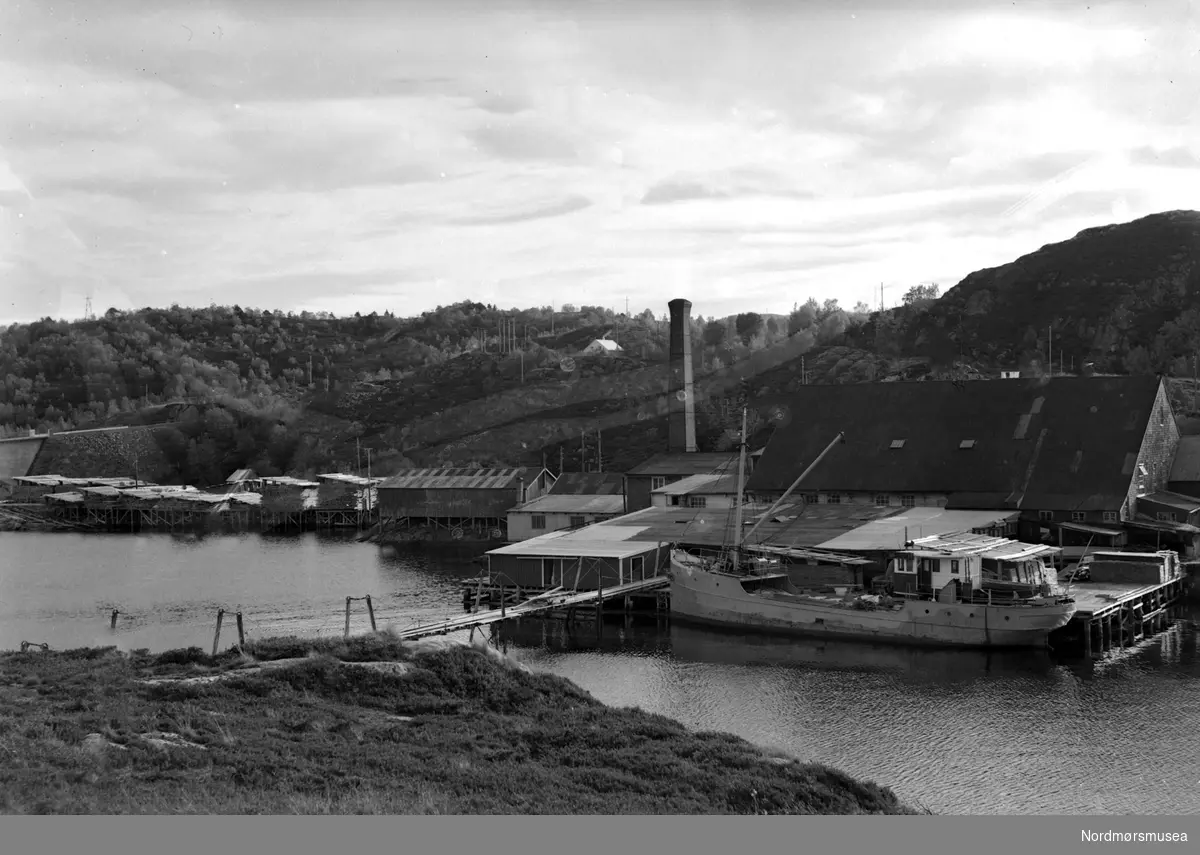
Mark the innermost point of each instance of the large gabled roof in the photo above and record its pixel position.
(687, 463)
(1061, 443)
(588, 484)
(452, 478)
(1187, 460)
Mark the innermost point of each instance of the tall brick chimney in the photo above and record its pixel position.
(681, 413)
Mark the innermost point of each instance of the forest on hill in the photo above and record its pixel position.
(287, 392)
(307, 392)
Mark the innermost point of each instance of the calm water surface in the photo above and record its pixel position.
(959, 732)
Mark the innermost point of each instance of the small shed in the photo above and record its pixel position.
(555, 512)
(243, 480)
(663, 469)
(578, 560)
(1166, 506)
(284, 494)
(697, 491)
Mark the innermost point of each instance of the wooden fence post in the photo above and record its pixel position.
(241, 631)
(371, 612)
(217, 634)
(346, 634)
(112, 624)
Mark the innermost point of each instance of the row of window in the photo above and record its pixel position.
(907, 501)
(1079, 516)
(539, 521)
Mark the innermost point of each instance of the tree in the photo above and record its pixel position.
(748, 325)
(920, 296)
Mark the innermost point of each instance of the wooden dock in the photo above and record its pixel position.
(1114, 615)
(555, 599)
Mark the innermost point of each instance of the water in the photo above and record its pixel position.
(956, 731)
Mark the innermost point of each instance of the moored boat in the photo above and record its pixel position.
(957, 590)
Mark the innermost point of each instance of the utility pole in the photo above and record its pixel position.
(561, 458)
(368, 479)
(599, 447)
(583, 450)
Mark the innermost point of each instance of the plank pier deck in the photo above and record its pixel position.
(1116, 615)
(555, 599)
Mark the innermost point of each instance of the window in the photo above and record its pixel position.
(577, 521)
(1078, 516)
(967, 443)
(1046, 516)
(811, 499)
(538, 521)
(881, 499)
(1111, 516)
(833, 499)
(908, 501)
(897, 443)
(657, 481)
(953, 565)
(697, 502)
(1166, 516)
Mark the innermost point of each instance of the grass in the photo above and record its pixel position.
(452, 729)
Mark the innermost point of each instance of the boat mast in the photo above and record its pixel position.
(841, 437)
(737, 530)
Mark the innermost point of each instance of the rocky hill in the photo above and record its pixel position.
(1125, 298)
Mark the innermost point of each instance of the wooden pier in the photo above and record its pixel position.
(1114, 615)
(543, 604)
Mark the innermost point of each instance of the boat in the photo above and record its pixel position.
(963, 590)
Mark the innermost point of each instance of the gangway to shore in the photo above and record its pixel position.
(557, 598)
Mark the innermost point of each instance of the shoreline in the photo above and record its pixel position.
(370, 724)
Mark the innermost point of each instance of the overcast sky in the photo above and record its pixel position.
(358, 156)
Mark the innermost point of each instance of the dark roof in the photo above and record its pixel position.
(1065, 443)
(588, 484)
(1172, 500)
(687, 463)
(798, 525)
(451, 478)
(1187, 460)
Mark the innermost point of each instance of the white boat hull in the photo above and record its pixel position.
(719, 599)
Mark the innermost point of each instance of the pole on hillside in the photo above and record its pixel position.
(346, 631)
(599, 451)
(583, 450)
(241, 631)
(112, 624)
(371, 612)
(561, 456)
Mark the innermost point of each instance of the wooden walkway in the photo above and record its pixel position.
(556, 598)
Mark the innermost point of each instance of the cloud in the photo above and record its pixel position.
(275, 153)
(567, 206)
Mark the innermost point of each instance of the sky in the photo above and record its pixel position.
(370, 156)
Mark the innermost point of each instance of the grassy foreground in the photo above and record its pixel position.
(367, 725)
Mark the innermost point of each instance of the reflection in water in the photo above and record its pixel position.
(959, 731)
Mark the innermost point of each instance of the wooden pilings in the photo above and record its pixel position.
(1117, 622)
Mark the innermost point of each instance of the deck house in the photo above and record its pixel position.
(578, 560)
(663, 469)
(968, 566)
(1058, 450)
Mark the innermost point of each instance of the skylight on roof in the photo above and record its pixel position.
(897, 443)
(967, 443)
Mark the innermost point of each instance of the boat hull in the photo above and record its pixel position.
(716, 599)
